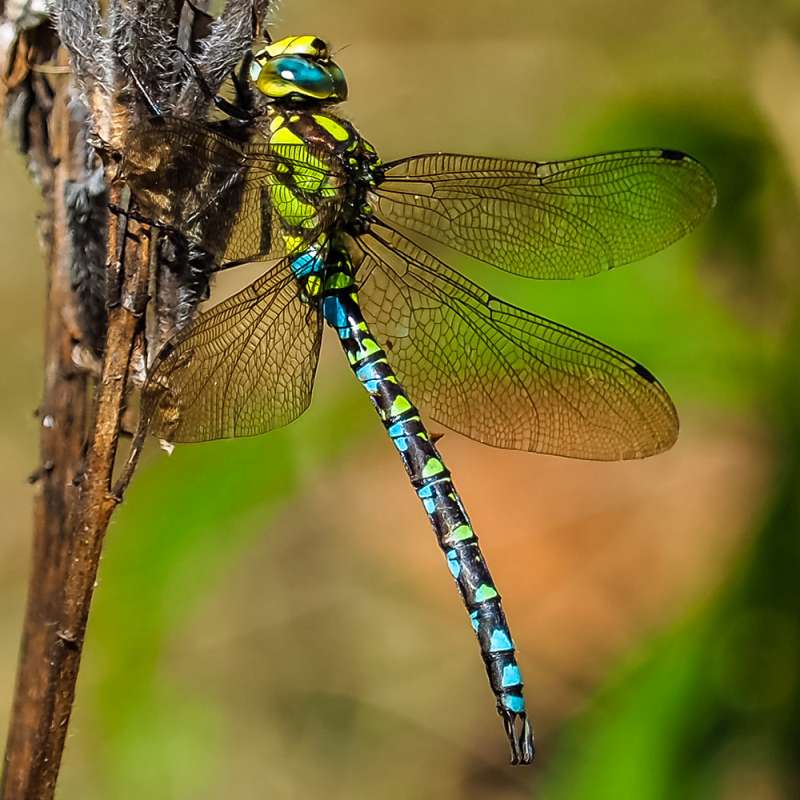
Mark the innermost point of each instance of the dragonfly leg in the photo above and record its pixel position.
(442, 504)
(236, 110)
(151, 104)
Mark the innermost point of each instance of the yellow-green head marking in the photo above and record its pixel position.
(300, 69)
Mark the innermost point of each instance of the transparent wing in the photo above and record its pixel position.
(220, 192)
(242, 368)
(556, 219)
(499, 374)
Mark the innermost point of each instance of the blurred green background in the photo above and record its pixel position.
(261, 629)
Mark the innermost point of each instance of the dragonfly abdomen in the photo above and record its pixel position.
(434, 486)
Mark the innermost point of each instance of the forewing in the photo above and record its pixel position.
(242, 368)
(551, 219)
(501, 375)
(219, 192)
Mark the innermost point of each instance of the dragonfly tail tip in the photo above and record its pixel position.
(520, 736)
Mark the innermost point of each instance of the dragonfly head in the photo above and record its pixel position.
(298, 68)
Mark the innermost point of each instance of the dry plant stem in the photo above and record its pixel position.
(49, 670)
(75, 496)
(63, 413)
(97, 501)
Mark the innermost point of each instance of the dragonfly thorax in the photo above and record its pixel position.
(299, 69)
(345, 163)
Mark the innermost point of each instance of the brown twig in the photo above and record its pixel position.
(35, 745)
(63, 415)
(95, 506)
(75, 496)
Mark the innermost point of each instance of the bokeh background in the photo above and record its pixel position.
(268, 624)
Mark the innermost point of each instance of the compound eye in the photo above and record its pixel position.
(338, 81)
(302, 76)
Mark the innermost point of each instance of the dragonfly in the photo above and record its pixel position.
(353, 242)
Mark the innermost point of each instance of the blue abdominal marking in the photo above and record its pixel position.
(453, 564)
(514, 702)
(511, 676)
(426, 495)
(401, 443)
(499, 641)
(369, 372)
(370, 377)
(398, 433)
(336, 316)
(309, 262)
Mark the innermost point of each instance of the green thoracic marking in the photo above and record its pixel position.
(309, 173)
(432, 467)
(334, 128)
(296, 242)
(485, 592)
(313, 178)
(291, 210)
(284, 135)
